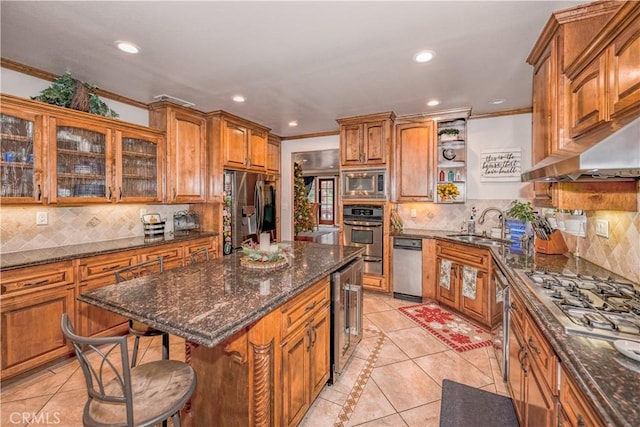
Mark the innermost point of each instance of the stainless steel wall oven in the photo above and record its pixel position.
(364, 227)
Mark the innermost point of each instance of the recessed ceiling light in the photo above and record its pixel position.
(497, 101)
(424, 56)
(293, 123)
(433, 103)
(127, 47)
(238, 98)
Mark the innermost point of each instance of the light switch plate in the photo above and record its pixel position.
(602, 228)
(413, 213)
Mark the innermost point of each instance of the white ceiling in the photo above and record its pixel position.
(307, 61)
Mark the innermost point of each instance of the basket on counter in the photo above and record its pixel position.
(185, 221)
(153, 225)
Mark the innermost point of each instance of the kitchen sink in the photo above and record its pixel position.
(481, 240)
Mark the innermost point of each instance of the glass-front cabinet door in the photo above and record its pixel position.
(79, 170)
(21, 161)
(138, 169)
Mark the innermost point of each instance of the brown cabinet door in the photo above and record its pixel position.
(517, 364)
(449, 296)
(172, 255)
(476, 308)
(186, 158)
(575, 409)
(235, 139)
(257, 150)
(541, 407)
(273, 155)
(415, 161)
(139, 172)
(351, 144)
(624, 81)
(586, 106)
(320, 330)
(375, 143)
(544, 95)
(31, 332)
(22, 167)
(295, 375)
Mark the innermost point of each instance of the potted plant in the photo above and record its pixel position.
(448, 134)
(523, 211)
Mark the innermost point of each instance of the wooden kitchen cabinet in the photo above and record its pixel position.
(22, 166)
(306, 329)
(95, 272)
(139, 167)
(575, 410)
(415, 161)
(460, 256)
(567, 33)
(185, 150)
(532, 370)
(366, 140)
(603, 195)
(243, 144)
(172, 255)
(32, 304)
(211, 243)
(273, 154)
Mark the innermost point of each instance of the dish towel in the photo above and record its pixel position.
(469, 275)
(445, 274)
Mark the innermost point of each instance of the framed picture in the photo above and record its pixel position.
(501, 164)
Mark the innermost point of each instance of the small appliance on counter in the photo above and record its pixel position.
(153, 227)
(185, 221)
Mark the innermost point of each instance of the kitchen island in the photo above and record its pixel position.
(239, 323)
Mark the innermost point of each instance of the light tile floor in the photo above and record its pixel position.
(399, 365)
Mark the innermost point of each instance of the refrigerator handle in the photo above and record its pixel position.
(358, 291)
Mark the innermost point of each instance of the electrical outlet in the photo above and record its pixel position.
(42, 218)
(602, 228)
(413, 213)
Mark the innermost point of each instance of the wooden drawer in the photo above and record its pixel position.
(575, 410)
(25, 280)
(210, 243)
(171, 255)
(374, 283)
(102, 268)
(541, 353)
(297, 311)
(465, 254)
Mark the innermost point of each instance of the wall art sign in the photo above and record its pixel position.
(500, 165)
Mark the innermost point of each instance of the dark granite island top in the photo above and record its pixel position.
(211, 301)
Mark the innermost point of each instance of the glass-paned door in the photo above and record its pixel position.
(18, 163)
(326, 196)
(138, 170)
(81, 173)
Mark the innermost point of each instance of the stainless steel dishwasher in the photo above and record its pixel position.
(407, 268)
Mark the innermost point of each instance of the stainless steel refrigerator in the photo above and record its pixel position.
(250, 208)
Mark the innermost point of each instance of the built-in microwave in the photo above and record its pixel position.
(364, 184)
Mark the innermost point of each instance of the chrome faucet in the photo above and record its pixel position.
(501, 219)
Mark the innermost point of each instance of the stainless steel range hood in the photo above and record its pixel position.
(615, 158)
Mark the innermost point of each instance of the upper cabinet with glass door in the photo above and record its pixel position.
(138, 169)
(21, 162)
(79, 171)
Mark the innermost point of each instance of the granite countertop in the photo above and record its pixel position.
(35, 257)
(209, 302)
(607, 378)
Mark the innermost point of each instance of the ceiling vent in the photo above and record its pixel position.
(169, 98)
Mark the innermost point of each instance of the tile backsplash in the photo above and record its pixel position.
(620, 253)
(75, 225)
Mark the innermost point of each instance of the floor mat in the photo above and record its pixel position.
(466, 406)
(455, 331)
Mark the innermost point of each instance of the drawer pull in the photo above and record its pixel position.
(311, 307)
(581, 422)
(110, 267)
(533, 346)
(308, 334)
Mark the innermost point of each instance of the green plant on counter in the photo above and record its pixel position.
(68, 92)
(522, 211)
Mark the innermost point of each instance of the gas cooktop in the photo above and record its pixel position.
(589, 305)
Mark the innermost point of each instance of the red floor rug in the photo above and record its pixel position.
(453, 330)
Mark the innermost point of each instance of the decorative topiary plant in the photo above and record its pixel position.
(522, 211)
(68, 92)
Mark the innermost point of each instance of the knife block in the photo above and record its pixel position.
(554, 246)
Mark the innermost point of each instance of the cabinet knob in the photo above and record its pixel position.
(174, 193)
(532, 346)
(120, 191)
(109, 194)
(39, 193)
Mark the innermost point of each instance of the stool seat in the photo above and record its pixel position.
(157, 389)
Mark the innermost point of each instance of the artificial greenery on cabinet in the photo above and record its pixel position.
(68, 92)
